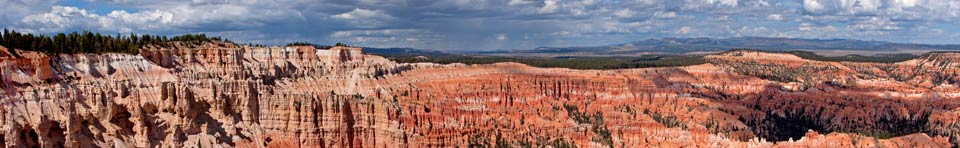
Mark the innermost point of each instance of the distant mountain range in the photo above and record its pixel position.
(704, 45)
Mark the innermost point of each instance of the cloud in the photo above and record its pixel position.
(901, 9)
(624, 13)
(812, 6)
(381, 32)
(729, 3)
(666, 15)
(12, 11)
(60, 18)
(885, 19)
(775, 17)
(684, 30)
(174, 18)
(549, 6)
(363, 14)
(875, 24)
(365, 18)
(384, 37)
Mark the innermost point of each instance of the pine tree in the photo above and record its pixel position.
(6, 34)
(89, 42)
(1, 38)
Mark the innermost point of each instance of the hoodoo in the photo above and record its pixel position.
(223, 95)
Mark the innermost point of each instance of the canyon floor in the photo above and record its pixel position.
(224, 95)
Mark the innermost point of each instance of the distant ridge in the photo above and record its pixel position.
(688, 45)
(403, 52)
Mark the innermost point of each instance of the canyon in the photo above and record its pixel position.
(220, 94)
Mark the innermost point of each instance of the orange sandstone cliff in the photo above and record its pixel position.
(223, 95)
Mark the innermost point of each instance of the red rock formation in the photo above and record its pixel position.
(236, 96)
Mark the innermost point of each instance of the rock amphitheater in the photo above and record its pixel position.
(224, 95)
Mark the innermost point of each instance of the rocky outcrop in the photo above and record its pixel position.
(223, 95)
(216, 94)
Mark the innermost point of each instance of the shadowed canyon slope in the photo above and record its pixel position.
(221, 94)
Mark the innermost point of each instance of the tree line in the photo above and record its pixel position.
(877, 58)
(88, 42)
(305, 43)
(564, 62)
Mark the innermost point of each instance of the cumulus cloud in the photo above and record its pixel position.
(875, 24)
(12, 11)
(61, 17)
(549, 6)
(774, 17)
(938, 9)
(813, 6)
(879, 16)
(175, 18)
(365, 18)
(666, 15)
(729, 3)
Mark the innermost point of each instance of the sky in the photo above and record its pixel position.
(493, 24)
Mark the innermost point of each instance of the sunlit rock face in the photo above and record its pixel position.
(220, 94)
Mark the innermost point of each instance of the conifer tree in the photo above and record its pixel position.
(89, 42)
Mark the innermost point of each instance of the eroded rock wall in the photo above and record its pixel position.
(215, 94)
